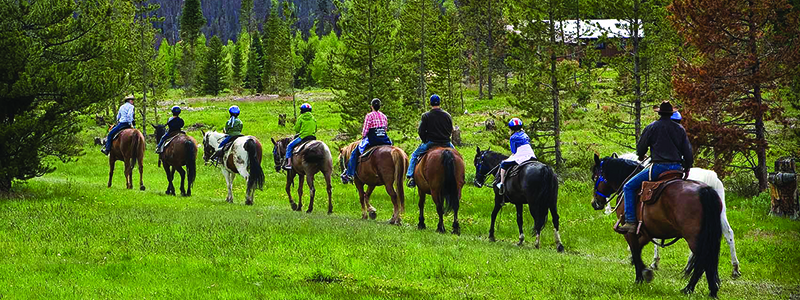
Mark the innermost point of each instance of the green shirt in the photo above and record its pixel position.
(306, 125)
(234, 126)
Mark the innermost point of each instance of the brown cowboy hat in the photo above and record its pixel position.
(665, 108)
(129, 97)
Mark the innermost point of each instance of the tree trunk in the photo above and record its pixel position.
(637, 88)
(5, 184)
(422, 90)
(761, 140)
(554, 91)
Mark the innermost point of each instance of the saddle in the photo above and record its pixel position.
(227, 146)
(514, 171)
(170, 137)
(365, 156)
(651, 190)
(303, 144)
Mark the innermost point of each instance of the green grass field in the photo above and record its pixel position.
(66, 235)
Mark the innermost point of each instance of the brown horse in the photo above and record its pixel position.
(383, 167)
(313, 158)
(181, 151)
(440, 173)
(129, 148)
(686, 209)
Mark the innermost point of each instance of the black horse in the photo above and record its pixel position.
(536, 184)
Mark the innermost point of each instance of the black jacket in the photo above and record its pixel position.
(436, 126)
(667, 142)
(175, 124)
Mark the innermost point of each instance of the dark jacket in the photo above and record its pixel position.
(175, 124)
(667, 142)
(436, 126)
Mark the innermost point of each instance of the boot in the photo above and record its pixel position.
(217, 157)
(104, 150)
(411, 182)
(628, 227)
(346, 178)
(287, 164)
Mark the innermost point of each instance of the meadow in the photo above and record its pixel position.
(66, 235)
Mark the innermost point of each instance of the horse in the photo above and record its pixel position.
(129, 148)
(314, 157)
(385, 166)
(536, 184)
(686, 209)
(440, 173)
(181, 151)
(243, 155)
(710, 178)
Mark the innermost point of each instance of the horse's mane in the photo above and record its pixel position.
(618, 169)
(491, 156)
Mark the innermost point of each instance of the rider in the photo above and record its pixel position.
(124, 120)
(306, 128)
(373, 133)
(233, 129)
(175, 124)
(676, 117)
(520, 148)
(669, 149)
(434, 129)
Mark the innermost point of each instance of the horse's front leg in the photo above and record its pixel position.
(373, 213)
(728, 233)
(421, 224)
(311, 192)
(110, 169)
(289, 180)
(300, 182)
(498, 204)
(329, 189)
(636, 243)
(361, 195)
(519, 225)
(229, 181)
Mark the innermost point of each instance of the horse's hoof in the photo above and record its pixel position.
(560, 248)
(421, 226)
(654, 266)
(456, 231)
(440, 230)
(294, 206)
(687, 290)
(229, 200)
(330, 212)
(141, 188)
(373, 215)
(520, 243)
(183, 194)
(248, 202)
(309, 211)
(648, 275)
(492, 239)
(736, 273)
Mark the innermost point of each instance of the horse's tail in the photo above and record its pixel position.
(706, 257)
(450, 189)
(400, 167)
(314, 153)
(549, 187)
(190, 160)
(135, 144)
(256, 173)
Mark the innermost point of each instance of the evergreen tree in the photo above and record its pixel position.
(446, 59)
(213, 74)
(192, 21)
(417, 33)
(146, 52)
(236, 76)
(255, 65)
(247, 16)
(484, 26)
(321, 64)
(277, 73)
(365, 67)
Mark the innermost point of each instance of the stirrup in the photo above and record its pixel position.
(500, 188)
(411, 183)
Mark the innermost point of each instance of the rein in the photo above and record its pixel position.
(618, 192)
(491, 171)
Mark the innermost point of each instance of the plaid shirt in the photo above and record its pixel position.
(374, 119)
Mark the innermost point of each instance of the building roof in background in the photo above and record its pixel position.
(591, 29)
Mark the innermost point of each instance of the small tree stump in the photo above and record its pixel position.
(282, 120)
(783, 189)
(489, 124)
(456, 137)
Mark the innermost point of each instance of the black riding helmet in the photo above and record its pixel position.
(376, 104)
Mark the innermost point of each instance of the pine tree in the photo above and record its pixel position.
(146, 52)
(278, 59)
(236, 76)
(247, 16)
(192, 21)
(255, 65)
(446, 59)
(213, 74)
(416, 35)
(365, 67)
(484, 26)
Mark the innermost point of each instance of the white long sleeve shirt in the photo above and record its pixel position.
(125, 114)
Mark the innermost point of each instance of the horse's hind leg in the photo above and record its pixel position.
(437, 199)
(657, 257)
(300, 194)
(141, 170)
(421, 224)
(554, 213)
(110, 169)
(539, 219)
(183, 177)
(329, 189)
(519, 225)
(312, 192)
(128, 173)
(728, 233)
(395, 203)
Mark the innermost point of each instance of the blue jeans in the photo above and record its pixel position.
(116, 129)
(162, 140)
(224, 141)
(290, 147)
(417, 153)
(636, 182)
(352, 164)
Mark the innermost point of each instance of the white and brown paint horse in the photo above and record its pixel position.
(710, 178)
(243, 158)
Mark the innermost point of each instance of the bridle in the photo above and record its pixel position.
(480, 165)
(600, 179)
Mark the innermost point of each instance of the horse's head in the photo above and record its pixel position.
(208, 149)
(160, 131)
(484, 162)
(279, 151)
(603, 189)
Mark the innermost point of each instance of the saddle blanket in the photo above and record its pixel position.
(651, 190)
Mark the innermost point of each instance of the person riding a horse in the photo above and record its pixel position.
(306, 128)
(233, 129)
(669, 149)
(125, 119)
(175, 125)
(373, 133)
(520, 150)
(435, 129)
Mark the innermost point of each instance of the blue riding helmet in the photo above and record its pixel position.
(515, 122)
(234, 110)
(435, 100)
(305, 107)
(676, 116)
(176, 109)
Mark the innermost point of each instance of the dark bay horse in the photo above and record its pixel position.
(686, 209)
(129, 148)
(535, 185)
(243, 158)
(313, 158)
(181, 151)
(385, 166)
(440, 173)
